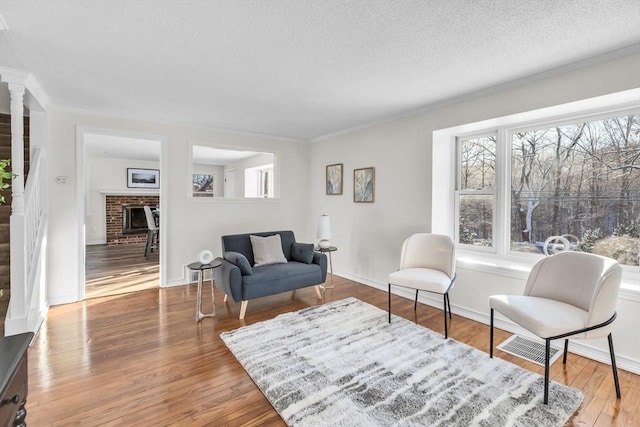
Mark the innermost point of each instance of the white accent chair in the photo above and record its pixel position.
(427, 263)
(153, 233)
(567, 295)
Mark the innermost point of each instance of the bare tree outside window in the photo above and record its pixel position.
(475, 195)
(580, 180)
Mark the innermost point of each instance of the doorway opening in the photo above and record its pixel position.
(115, 256)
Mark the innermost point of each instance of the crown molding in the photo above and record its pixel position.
(35, 97)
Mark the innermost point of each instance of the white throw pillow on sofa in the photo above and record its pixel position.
(267, 250)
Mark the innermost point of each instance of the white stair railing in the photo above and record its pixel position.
(34, 232)
(28, 222)
(27, 311)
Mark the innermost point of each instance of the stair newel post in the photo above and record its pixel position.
(17, 147)
(18, 301)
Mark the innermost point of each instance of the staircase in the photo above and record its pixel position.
(5, 213)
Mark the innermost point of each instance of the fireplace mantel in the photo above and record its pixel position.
(131, 192)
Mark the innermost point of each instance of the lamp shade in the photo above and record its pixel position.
(324, 231)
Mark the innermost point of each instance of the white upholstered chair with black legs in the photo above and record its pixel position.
(567, 295)
(427, 263)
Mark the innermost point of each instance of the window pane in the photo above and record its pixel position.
(258, 181)
(477, 163)
(580, 181)
(476, 220)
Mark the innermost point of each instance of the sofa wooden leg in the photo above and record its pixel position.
(226, 297)
(243, 309)
(318, 291)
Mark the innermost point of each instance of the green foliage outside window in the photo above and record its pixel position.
(5, 178)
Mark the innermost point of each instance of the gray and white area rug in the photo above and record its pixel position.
(343, 364)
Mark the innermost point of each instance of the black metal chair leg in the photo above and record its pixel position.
(566, 349)
(614, 367)
(491, 335)
(446, 332)
(415, 304)
(546, 371)
(449, 304)
(389, 302)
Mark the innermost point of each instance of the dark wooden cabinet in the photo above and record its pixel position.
(13, 379)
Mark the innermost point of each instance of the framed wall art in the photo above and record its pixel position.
(143, 178)
(203, 185)
(334, 179)
(363, 185)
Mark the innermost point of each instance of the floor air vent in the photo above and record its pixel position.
(529, 349)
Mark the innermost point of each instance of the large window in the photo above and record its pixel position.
(569, 184)
(476, 183)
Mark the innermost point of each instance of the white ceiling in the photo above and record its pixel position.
(298, 69)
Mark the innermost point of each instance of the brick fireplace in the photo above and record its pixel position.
(115, 216)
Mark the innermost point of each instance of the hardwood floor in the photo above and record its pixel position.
(112, 270)
(141, 359)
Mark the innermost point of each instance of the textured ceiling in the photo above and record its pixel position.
(299, 69)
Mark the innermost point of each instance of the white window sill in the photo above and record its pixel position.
(519, 268)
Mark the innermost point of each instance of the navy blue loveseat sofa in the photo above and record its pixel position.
(239, 277)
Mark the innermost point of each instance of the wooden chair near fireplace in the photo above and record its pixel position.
(153, 233)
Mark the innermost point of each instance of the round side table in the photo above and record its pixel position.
(201, 268)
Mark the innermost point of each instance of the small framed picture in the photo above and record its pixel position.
(334, 179)
(143, 178)
(363, 185)
(203, 185)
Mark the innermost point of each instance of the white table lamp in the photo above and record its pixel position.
(324, 232)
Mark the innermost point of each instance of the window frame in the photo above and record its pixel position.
(566, 121)
(259, 173)
(443, 213)
(460, 192)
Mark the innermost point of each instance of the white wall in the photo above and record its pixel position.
(369, 236)
(106, 174)
(192, 224)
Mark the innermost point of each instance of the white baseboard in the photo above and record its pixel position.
(37, 322)
(65, 299)
(96, 242)
(176, 282)
(575, 347)
(14, 326)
